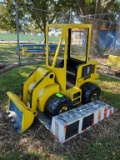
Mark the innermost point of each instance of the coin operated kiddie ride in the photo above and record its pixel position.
(55, 92)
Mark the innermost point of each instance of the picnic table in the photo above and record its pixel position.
(30, 48)
(25, 47)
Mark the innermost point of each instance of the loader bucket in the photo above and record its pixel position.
(20, 115)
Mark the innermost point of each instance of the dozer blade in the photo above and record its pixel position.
(20, 115)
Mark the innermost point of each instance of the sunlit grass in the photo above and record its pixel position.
(110, 90)
(9, 55)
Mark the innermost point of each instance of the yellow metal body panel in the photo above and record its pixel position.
(27, 116)
(74, 94)
(113, 61)
(60, 78)
(48, 91)
(81, 80)
(35, 77)
(47, 81)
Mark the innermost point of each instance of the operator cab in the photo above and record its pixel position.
(77, 52)
(68, 53)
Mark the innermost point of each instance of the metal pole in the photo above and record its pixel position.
(70, 18)
(17, 30)
(117, 33)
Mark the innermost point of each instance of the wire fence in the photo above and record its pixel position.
(105, 32)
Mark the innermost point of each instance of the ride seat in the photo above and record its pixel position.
(72, 66)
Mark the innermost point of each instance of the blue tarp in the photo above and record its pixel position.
(107, 39)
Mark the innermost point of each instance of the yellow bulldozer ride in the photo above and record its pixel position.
(68, 78)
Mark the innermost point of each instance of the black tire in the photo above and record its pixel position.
(57, 104)
(90, 92)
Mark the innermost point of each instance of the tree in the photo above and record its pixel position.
(38, 13)
(98, 8)
(7, 20)
(45, 12)
(34, 14)
(8, 15)
(87, 7)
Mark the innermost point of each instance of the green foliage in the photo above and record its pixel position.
(115, 7)
(47, 12)
(8, 15)
(97, 7)
(89, 1)
(7, 19)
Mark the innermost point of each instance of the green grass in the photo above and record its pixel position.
(9, 55)
(110, 90)
(12, 81)
(25, 37)
(100, 143)
(102, 149)
(22, 37)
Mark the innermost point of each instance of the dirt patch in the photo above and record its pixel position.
(114, 72)
(40, 139)
(6, 68)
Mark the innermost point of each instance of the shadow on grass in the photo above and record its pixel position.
(21, 156)
(107, 78)
(13, 81)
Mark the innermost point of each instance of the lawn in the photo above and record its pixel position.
(22, 37)
(25, 37)
(102, 142)
(9, 55)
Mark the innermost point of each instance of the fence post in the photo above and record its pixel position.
(17, 30)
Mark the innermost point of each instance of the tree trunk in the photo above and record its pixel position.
(97, 8)
(83, 7)
(95, 48)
